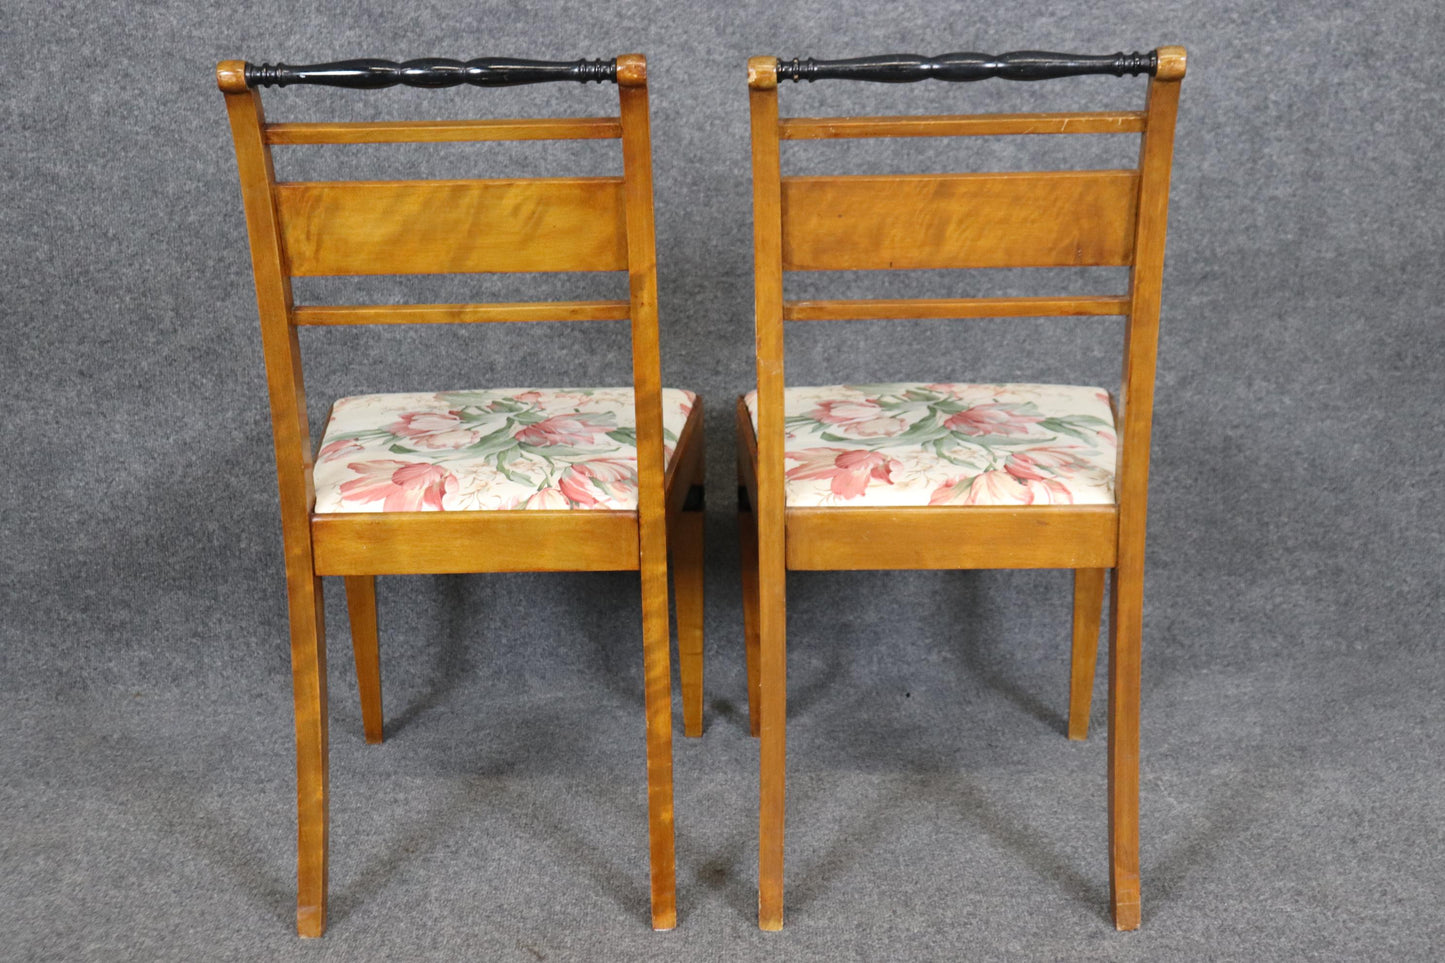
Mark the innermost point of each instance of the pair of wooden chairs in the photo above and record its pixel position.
(870, 477)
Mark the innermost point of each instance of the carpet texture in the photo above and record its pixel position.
(1293, 802)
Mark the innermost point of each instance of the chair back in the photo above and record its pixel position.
(1068, 218)
(533, 224)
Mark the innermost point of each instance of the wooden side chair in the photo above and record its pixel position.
(509, 480)
(945, 476)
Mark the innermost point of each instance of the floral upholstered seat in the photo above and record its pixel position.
(511, 448)
(912, 444)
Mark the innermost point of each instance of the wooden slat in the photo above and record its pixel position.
(962, 125)
(850, 310)
(951, 537)
(431, 131)
(418, 543)
(1049, 219)
(343, 314)
(453, 227)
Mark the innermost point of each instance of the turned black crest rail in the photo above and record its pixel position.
(369, 74)
(967, 67)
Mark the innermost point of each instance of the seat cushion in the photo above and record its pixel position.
(510, 448)
(911, 444)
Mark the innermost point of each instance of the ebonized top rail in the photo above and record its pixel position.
(965, 67)
(368, 74)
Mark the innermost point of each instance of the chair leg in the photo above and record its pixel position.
(361, 606)
(748, 543)
(1088, 607)
(657, 672)
(308, 681)
(687, 586)
(1126, 609)
(773, 714)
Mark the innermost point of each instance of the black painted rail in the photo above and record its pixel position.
(968, 67)
(367, 74)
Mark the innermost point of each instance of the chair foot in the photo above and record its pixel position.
(1126, 916)
(310, 921)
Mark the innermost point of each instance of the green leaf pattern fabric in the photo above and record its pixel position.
(492, 450)
(907, 444)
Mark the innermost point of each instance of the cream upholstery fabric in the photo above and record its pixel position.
(910, 444)
(516, 448)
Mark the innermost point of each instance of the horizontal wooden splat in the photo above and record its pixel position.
(942, 537)
(962, 125)
(913, 221)
(436, 543)
(342, 314)
(453, 227)
(429, 131)
(862, 309)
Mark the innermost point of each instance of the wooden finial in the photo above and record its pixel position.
(763, 73)
(231, 76)
(1172, 61)
(632, 70)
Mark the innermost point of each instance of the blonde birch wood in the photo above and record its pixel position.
(962, 125)
(748, 553)
(432, 131)
(861, 309)
(978, 536)
(291, 436)
(453, 227)
(686, 543)
(1132, 483)
(1088, 607)
(772, 570)
(344, 314)
(365, 645)
(437, 543)
(652, 508)
(913, 221)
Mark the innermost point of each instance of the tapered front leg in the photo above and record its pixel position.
(361, 606)
(686, 543)
(1126, 609)
(748, 545)
(308, 680)
(1088, 607)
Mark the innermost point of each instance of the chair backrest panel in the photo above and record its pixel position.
(453, 227)
(446, 226)
(1049, 219)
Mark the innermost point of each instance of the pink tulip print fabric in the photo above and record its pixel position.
(498, 450)
(917, 444)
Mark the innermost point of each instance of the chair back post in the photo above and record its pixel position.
(280, 345)
(770, 509)
(651, 499)
(1141, 342)
(291, 435)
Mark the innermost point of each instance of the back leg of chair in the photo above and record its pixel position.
(1088, 607)
(748, 545)
(361, 606)
(1125, 617)
(308, 682)
(657, 692)
(685, 542)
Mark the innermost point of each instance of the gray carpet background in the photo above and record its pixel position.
(1292, 786)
